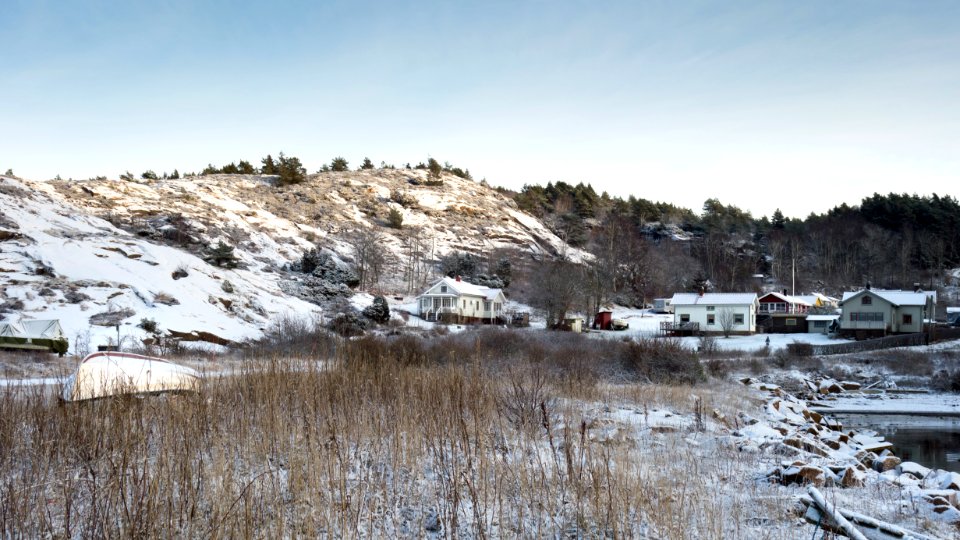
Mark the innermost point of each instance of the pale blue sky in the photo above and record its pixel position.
(796, 105)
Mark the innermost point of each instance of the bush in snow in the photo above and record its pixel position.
(222, 255)
(662, 361)
(378, 311)
(149, 325)
(347, 324)
(395, 219)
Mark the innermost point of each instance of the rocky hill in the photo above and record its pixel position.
(103, 255)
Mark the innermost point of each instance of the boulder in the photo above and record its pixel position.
(918, 471)
(887, 462)
(852, 478)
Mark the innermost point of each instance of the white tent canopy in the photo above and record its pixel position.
(32, 329)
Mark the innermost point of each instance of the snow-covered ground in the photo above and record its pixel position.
(69, 265)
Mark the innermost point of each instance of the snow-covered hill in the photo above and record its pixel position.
(117, 249)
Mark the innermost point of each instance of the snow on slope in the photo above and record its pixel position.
(62, 263)
(270, 221)
(72, 249)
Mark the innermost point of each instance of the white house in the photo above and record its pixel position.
(455, 300)
(876, 312)
(711, 311)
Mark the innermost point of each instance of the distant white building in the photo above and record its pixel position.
(821, 324)
(877, 312)
(711, 310)
(455, 300)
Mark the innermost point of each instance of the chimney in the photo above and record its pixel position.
(916, 287)
(701, 291)
(458, 279)
(784, 292)
(868, 285)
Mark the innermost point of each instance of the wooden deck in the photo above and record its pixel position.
(679, 329)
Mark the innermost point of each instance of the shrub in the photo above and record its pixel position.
(347, 324)
(662, 361)
(946, 381)
(222, 255)
(403, 199)
(395, 219)
(149, 325)
(367, 164)
(149, 175)
(378, 311)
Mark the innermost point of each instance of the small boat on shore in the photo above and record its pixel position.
(104, 374)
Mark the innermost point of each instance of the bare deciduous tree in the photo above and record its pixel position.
(728, 320)
(558, 289)
(371, 257)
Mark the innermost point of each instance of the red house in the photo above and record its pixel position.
(782, 314)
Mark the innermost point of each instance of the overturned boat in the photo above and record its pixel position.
(104, 374)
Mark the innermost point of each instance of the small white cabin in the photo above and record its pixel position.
(713, 311)
(455, 300)
(821, 324)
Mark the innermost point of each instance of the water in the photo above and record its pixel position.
(933, 442)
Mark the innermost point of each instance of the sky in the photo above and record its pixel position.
(763, 105)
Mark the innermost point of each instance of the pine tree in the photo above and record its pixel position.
(339, 164)
(269, 166)
(378, 311)
(290, 169)
(244, 167)
(149, 175)
(395, 219)
(435, 168)
(175, 175)
(367, 164)
(778, 220)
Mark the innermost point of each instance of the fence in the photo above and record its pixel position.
(889, 342)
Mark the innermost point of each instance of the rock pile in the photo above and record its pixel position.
(823, 454)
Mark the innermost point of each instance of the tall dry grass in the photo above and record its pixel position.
(490, 435)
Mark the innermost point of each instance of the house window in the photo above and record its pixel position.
(866, 316)
(446, 302)
(907, 319)
(738, 318)
(710, 308)
(710, 319)
(867, 301)
(443, 288)
(819, 324)
(486, 306)
(685, 317)
(791, 322)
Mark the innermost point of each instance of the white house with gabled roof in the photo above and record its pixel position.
(711, 310)
(877, 312)
(455, 300)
